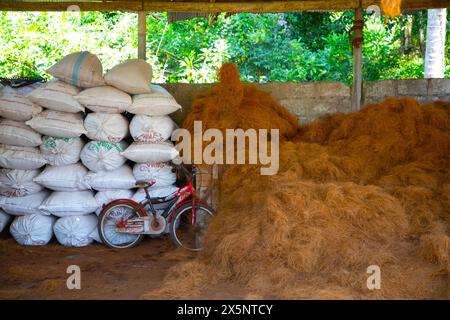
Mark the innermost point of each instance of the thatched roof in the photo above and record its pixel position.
(208, 5)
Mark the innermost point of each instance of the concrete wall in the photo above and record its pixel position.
(312, 100)
(424, 90)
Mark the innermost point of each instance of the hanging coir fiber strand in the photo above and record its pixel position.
(391, 7)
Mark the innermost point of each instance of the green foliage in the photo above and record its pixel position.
(266, 47)
(32, 42)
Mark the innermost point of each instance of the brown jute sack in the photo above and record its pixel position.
(82, 69)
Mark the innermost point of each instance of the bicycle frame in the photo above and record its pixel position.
(182, 196)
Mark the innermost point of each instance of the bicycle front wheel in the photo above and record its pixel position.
(183, 232)
(109, 219)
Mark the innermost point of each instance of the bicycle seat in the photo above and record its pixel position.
(144, 183)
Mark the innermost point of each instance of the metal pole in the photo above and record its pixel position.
(142, 34)
(357, 43)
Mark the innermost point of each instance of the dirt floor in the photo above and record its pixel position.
(39, 272)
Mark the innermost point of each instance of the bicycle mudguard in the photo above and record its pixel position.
(134, 203)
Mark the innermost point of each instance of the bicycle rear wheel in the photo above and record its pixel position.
(186, 235)
(108, 221)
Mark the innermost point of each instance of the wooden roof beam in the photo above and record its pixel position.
(64, 5)
(253, 6)
(205, 6)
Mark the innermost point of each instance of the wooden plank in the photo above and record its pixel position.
(413, 4)
(186, 6)
(357, 60)
(142, 34)
(211, 6)
(62, 6)
(252, 6)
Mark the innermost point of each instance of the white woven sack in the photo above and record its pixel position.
(17, 107)
(63, 178)
(61, 151)
(95, 235)
(18, 183)
(26, 205)
(69, 203)
(157, 103)
(142, 152)
(133, 76)
(6, 90)
(17, 133)
(106, 196)
(32, 230)
(58, 124)
(58, 96)
(106, 126)
(104, 99)
(60, 86)
(103, 156)
(160, 172)
(75, 231)
(4, 219)
(121, 178)
(151, 128)
(24, 158)
(81, 69)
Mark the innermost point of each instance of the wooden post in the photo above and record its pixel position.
(142, 34)
(215, 193)
(357, 43)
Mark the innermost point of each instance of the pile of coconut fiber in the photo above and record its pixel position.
(353, 191)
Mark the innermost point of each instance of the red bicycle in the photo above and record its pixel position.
(124, 222)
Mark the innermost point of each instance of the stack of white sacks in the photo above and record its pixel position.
(151, 129)
(21, 161)
(75, 169)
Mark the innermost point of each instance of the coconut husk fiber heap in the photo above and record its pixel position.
(354, 190)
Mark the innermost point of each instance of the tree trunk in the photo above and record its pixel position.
(422, 42)
(406, 39)
(408, 34)
(435, 45)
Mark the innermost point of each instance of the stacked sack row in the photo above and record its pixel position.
(74, 169)
(21, 161)
(71, 201)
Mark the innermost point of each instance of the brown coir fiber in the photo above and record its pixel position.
(391, 7)
(234, 104)
(355, 190)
